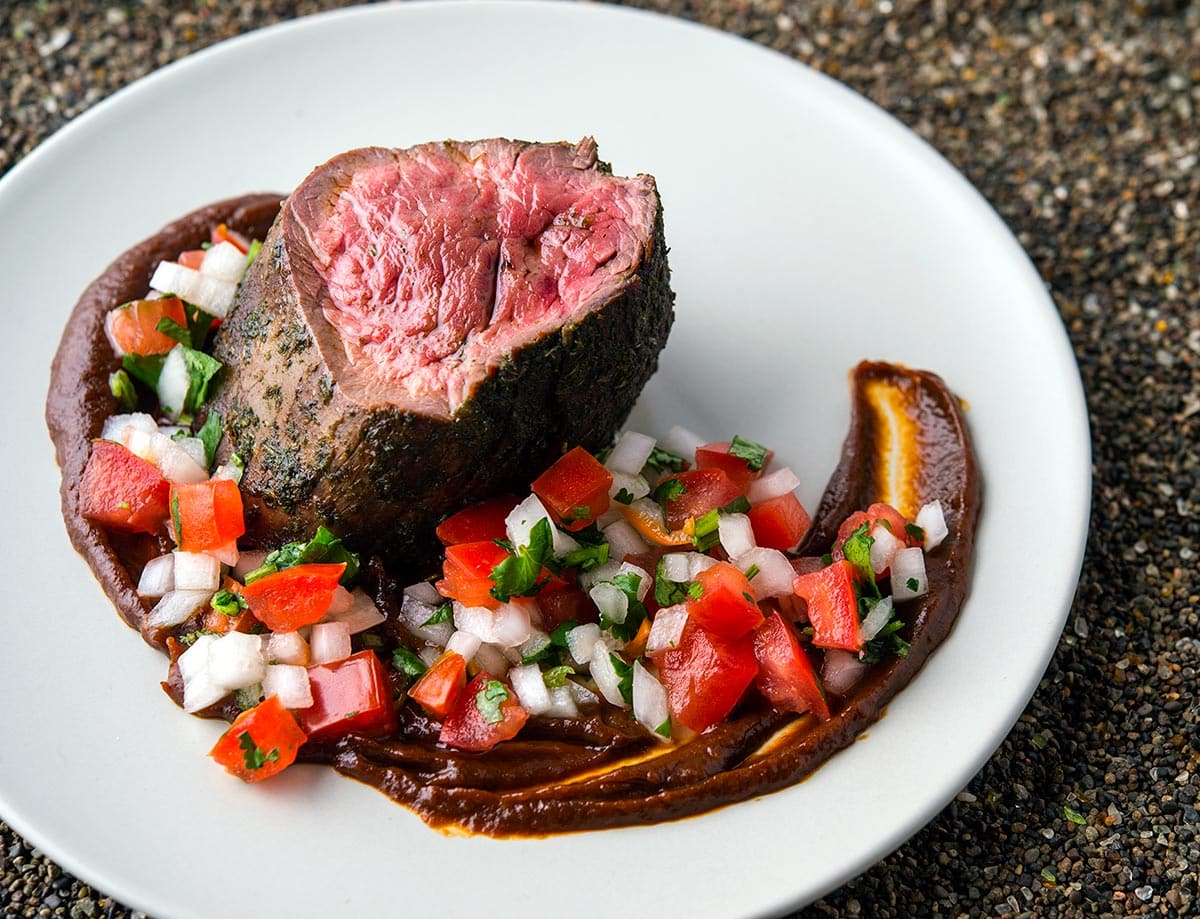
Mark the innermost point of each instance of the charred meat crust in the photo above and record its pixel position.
(79, 398)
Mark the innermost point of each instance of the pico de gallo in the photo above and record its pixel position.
(659, 576)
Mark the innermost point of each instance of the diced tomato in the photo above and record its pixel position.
(703, 490)
(121, 491)
(726, 605)
(467, 573)
(779, 523)
(480, 522)
(133, 327)
(832, 605)
(350, 696)
(486, 713)
(192, 258)
(207, 515)
(260, 743)
(438, 688)
(294, 597)
(565, 604)
(222, 234)
(717, 456)
(650, 527)
(574, 489)
(706, 675)
(785, 674)
(882, 514)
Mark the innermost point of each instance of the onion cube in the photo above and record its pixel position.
(582, 641)
(464, 643)
(883, 548)
(193, 447)
(774, 484)
(530, 687)
(562, 701)
(610, 600)
(877, 618)
(236, 660)
(582, 696)
(634, 486)
(604, 672)
(199, 690)
(683, 442)
(329, 641)
(841, 670)
(629, 453)
(290, 683)
(417, 614)
(909, 579)
(735, 533)
(932, 519)
(491, 658)
(118, 427)
(360, 614)
(196, 571)
(213, 295)
(775, 573)
(605, 572)
(645, 580)
(623, 540)
(650, 702)
(666, 628)
(158, 577)
(525, 516)
(225, 262)
(176, 607)
(287, 648)
(697, 562)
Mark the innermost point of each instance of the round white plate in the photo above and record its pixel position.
(807, 230)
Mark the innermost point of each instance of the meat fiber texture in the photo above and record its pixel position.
(429, 326)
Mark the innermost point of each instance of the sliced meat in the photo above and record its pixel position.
(430, 325)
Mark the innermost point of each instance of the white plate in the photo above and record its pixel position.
(807, 230)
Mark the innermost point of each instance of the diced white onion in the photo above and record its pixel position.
(682, 441)
(698, 562)
(932, 519)
(530, 687)
(429, 655)
(735, 533)
(288, 648)
(236, 660)
(635, 485)
(774, 484)
(629, 453)
(562, 701)
(583, 697)
(605, 572)
(290, 683)
(876, 619)
(196, 571)
(416, 612)
(537, 641)
(424, 592)
(225, 262)
(675, 567)
(508, 625)
(193, 447)
(623, 540)
(247, 562)
(117, 427)
(176, 607)
(666, 628)
(909, 579)
(329, 641)
(158, 577)
(491, 658)
(340, 601)
(231, 471)
(775, 573)
(645, 580)
(175, 464)
(524, 517)
(884, 548)
(212, 295)
(610, 600)
(464, 643)
(173, 383)
(360, 614)
(605, 675)
(199, 690)
(582, 641)
(649, 701)
(841, 670)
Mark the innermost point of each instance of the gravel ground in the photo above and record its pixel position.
(1078, 122)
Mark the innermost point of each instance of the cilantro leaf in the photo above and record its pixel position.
(444, 613)
(252, 756)
(624, 496)
(323, 547)
(210, 435)
(557, 676)
(705, 534)
(915, 532)
(670, 593)
(123, 390)
(201, 369)
(628, 583)
(662, 460)
(753, 453)
(407, 662)
(517, 575)
(664, 729)
(145, 369)
(227, 603)
(751, 572)
(489, 699)
(739, 505)
(585, 558)
(174, 330)
(857, 550)
(625, 676)
(668, 490)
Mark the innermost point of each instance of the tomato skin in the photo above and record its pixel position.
(350, 696)
(192, 258)
(726, 606)
(121, 491)
(779, 523)
(207, 515)
(706, 675)
(478, 523)
(222, 234)
(133, 327)
(704, 489)
(466, 728)
(275, 733)
(294, 597)
(467, 573)
(832, 605)
(882, 514)
(717, 456)
(785, 674)
(565, 604)
(577, 480)
(438, 688)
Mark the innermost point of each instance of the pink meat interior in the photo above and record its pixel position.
(442, 259)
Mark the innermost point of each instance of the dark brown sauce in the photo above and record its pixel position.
(603, 770)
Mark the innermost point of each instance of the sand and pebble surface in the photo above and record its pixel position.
(1078, 122)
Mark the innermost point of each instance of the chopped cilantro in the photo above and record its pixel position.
(201, 369)
(664, 729)
(695, 590)
(915, 532)
(174, 330)
(350, 715)
(705, 534)
(668, 490)
(489, 699)
(826, 559)
(754, 454)
(857, 550)
(210, 435)
(739, 505)
(585, 558)
(624, 675)
(323, 547)
(751, 572)
(407, 662)
(624, 496)
(227, 603)
(590, 535)
(145, 369)
(912, 584)
(557, 676)
(670, 593)
(517, 575)
(443, 613)
(248, 696)
(579, 512)
(123, 390)
(661, 460)
(252, 756)
(558, 638)
(371, 640)
(628, 583)
(177, 519)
